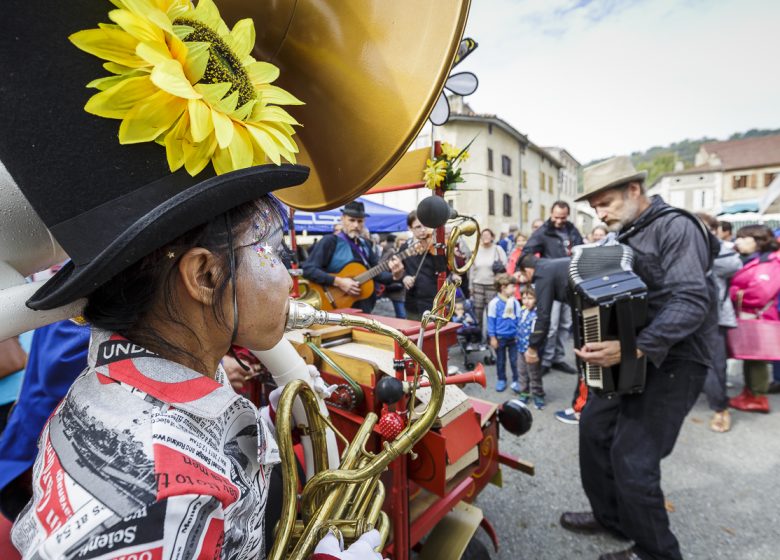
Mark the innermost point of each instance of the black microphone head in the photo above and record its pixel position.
(389, 390)
(434, 211)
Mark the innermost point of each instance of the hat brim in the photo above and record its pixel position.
(355, 214)
(165, 222)
(639, 176)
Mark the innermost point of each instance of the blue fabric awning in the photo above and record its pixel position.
(381, 219)
(741, 206)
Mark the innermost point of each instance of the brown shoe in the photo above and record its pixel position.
(627, 554)
(582, 522)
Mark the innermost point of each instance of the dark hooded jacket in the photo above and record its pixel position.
(548, 243)
(672, 256)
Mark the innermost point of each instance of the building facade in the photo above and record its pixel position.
(728, 177)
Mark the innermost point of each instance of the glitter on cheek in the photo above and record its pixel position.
(266, 254)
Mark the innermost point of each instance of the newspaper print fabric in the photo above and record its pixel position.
(146, 459)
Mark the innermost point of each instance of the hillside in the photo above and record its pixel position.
(661, 159)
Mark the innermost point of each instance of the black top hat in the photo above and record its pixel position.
(354, 209)
(107, 204)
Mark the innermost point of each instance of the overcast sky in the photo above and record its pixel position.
(605, 77)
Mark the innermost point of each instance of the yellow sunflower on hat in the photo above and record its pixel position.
(182, 78)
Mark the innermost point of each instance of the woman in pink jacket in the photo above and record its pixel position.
(754, 291)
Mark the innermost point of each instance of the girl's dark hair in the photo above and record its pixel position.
(528, 289)
(121, 304)
(765, 238)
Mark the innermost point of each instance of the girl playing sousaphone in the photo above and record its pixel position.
(174, 242)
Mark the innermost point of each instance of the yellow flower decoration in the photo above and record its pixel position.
(449, 151)
(435, 171)
(183, 79)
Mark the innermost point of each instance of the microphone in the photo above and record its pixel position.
(434, 211)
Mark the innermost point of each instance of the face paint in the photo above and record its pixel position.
(266, 239)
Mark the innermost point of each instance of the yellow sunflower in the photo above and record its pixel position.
(435, 172)
(183, 79)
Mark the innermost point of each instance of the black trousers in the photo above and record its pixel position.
(622, 442)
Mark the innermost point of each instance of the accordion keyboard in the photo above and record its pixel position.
(591, 330)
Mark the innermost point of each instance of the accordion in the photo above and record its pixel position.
(609, 302)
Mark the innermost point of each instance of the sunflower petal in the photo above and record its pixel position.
(117, 101)
(139, 27)
(169, 76)
(153, 53)
(113, 45)
(242, 113)
(213, 93)
(264, 142)
(223, 128)
(177, 9)
(281, 137)
(177, 49)
(222, 161)
(277, 96)
(174, 149)
(115, 68)
(272, 113)
(197, 156)
(108, 82)
(241, 147)
(208, 13)
(150, 11)
(228, 104)
(200, 119)
(182, 31)
(243, 37)
(196, 61)
(261, 73)
(150, 118)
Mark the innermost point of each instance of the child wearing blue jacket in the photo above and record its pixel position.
(530, 372)
(502, 327)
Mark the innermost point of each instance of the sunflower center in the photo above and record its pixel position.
(223, 65)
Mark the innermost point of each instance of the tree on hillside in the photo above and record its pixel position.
(660, 164)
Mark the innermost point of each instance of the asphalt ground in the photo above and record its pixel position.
(721, 489)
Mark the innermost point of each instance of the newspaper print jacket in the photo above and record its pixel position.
(146, 459)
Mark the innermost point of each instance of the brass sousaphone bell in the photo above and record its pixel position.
(369, 71)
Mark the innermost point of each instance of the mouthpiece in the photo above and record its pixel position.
(302, 315)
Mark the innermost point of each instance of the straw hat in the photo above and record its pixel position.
(607, 174)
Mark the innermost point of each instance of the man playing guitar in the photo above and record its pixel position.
(334, 251)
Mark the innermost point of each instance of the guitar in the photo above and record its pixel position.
(333, 298)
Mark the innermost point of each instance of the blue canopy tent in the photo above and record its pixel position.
(381, 219)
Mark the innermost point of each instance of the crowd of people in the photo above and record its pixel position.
(515, 299)
(707, 289)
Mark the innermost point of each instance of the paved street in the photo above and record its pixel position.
(722, 487)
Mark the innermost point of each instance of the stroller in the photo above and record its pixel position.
(470, 337)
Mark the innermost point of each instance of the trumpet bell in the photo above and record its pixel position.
(369, 73)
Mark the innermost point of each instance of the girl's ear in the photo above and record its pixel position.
(199, 275)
